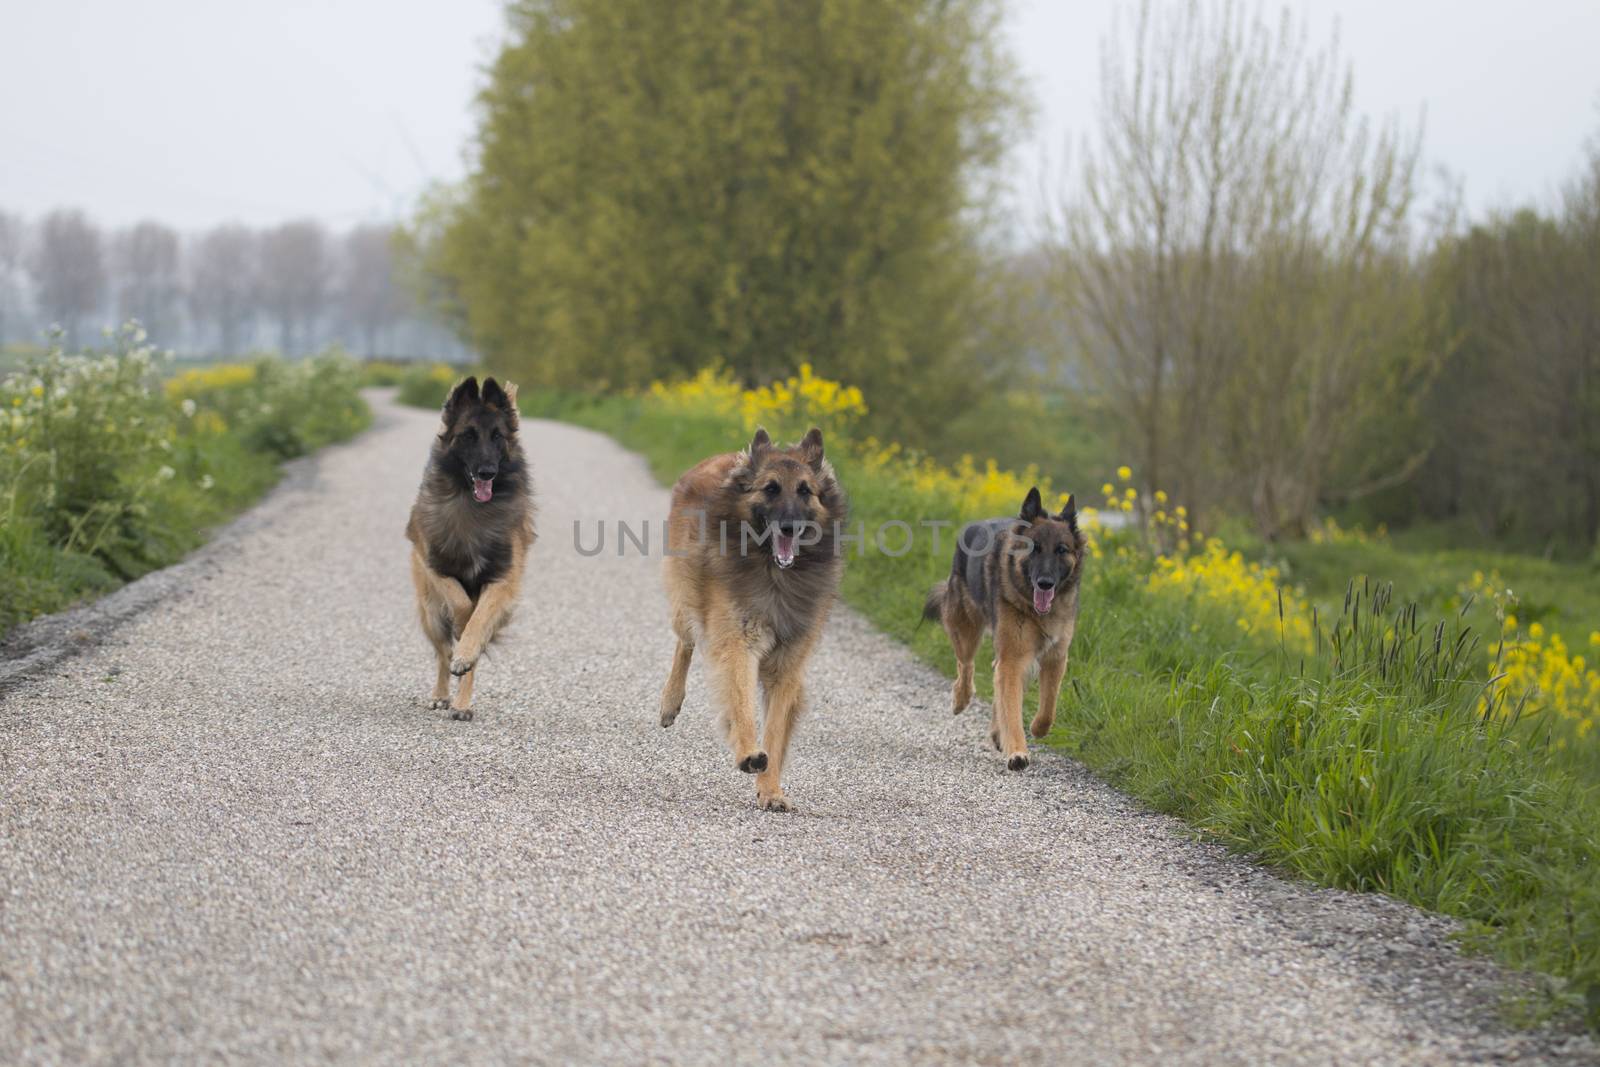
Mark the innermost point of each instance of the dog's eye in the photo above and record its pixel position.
(494, 435)
(1061, 550)
(804, 490)
(772, 489)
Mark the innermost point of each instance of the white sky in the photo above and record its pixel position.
(201, 111)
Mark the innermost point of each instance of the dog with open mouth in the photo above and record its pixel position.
(1019, 579)
(752, 571)
(470, 532)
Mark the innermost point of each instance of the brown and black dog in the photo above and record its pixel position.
(1018, 578)
(752, 571)
(470, 532)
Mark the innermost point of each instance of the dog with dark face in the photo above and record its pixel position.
(470, 532)
(1019, 579)
(752, 570)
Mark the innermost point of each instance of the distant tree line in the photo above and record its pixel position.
(294, 288)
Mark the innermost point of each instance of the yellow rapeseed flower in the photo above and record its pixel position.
(1124, 472)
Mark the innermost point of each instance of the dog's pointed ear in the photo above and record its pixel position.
(1069, 512)
(760, 442)
(811, 448)
(464, 393)
(493, 394)
(1032, 507)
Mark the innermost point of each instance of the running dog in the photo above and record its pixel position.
(1019, 579)
(470, 532)
(752, 570)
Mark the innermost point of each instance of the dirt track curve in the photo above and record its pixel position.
(230, 829)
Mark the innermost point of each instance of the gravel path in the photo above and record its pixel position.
(230, 829)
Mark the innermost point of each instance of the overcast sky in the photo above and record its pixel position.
(200, 111)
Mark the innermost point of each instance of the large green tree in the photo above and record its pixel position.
(663, 185)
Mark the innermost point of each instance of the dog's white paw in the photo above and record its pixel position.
(438, 704)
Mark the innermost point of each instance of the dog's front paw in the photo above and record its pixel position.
(438, 703)
(754, 763)
(461, 662)
(462, 715)
(774, 801)
(1017, 762)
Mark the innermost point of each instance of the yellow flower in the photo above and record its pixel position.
(1131, 493)
(1124, 472)
(1161, 496)
(37, 390)
(1106, 490)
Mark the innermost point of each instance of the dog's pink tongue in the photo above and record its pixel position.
(1042, 599)
(783, 549)
(482, 489)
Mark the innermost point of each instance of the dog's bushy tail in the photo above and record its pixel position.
(934, 605)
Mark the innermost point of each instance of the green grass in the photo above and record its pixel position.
(39, 576)
(1563, 596)
(1367, 769)
(113, 478)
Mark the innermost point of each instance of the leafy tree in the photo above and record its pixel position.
(662, 186)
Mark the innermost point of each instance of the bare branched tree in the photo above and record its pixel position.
(222, 286)
(146, 264)
(68, 267)
(370, 299)
(295, 275)
(12, 236)
(1235, 256)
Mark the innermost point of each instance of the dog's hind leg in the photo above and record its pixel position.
(966, 632)
(678, 680)
(441, 687)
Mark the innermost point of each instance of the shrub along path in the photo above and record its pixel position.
(233, 828)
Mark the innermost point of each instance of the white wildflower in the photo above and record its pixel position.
(206, 481)
(188, 408)
(166, 474)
